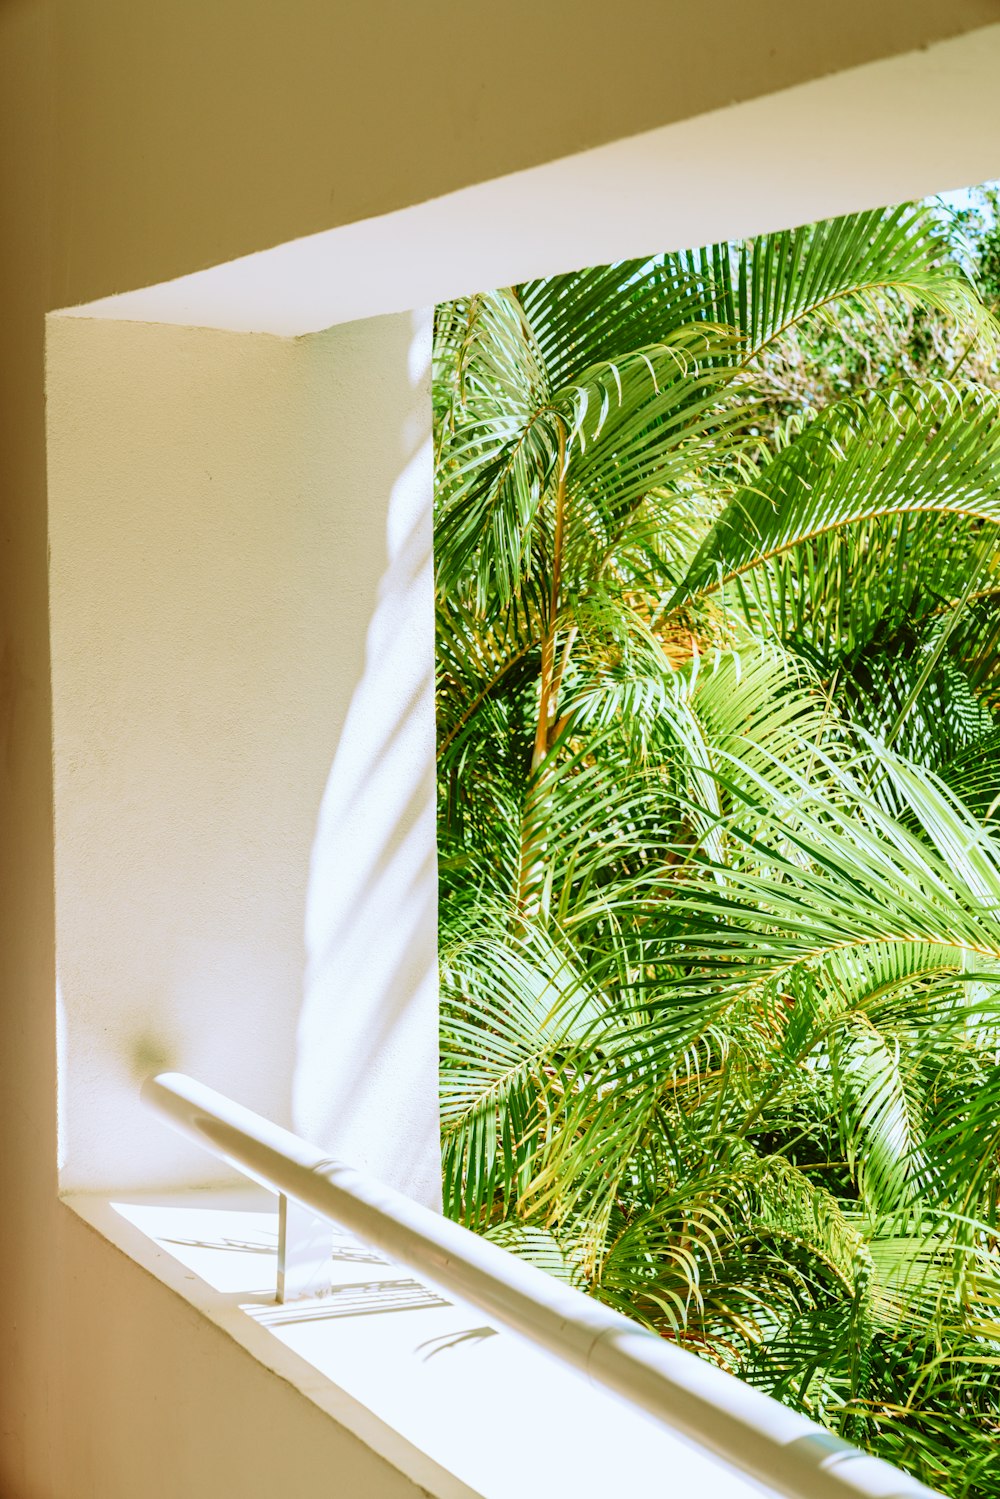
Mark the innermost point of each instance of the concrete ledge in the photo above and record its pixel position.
(461, 1408)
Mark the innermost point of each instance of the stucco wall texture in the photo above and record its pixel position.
(140, 142)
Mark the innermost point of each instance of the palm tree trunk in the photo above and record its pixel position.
(533, 850)
(548, 689)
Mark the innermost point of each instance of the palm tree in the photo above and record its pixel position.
(718, 752)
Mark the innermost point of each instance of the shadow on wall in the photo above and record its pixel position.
(365, 1083)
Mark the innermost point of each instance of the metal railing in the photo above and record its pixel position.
(754, 1434)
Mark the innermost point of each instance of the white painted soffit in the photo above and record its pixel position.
(886, 132)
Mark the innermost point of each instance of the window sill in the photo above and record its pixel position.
(458, 1406)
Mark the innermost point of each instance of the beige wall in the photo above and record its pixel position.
(143, 1398)
(139, 142)
(208, 128)
(36, 1249)
(242, 616)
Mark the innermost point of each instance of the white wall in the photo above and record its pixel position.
(241, 608)
(367, 1064)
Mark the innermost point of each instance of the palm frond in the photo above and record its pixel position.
(933, 449)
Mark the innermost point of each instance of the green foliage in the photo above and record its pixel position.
(719, 772)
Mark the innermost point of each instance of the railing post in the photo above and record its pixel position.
(305, 1249)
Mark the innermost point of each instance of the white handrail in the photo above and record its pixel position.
(753, 1433)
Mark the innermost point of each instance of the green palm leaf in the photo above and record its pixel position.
(764, 286)
(914, 450)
